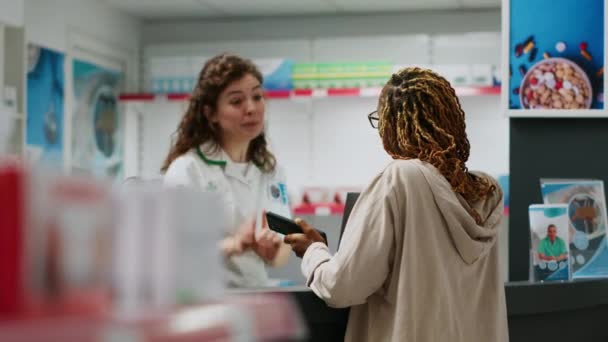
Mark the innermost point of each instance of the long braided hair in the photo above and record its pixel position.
(421, 118)
(195, 128)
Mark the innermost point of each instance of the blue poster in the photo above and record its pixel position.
(556, 54)
(98, 124)
(45, 88)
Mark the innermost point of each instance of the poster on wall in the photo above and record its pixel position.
(555, 57)
(97, 124)
(45, 89)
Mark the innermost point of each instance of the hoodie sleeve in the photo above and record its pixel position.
(361, 265)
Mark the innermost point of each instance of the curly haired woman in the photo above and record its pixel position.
(418, 260)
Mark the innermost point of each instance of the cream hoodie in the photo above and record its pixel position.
(413, 265)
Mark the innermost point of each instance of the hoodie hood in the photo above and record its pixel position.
(472, 240)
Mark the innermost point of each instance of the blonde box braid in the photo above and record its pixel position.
(421, 117)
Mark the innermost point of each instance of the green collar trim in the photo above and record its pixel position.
(208, 161)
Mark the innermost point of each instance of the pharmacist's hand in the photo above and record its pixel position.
(300, 242)
(267, 243)
(241, 241)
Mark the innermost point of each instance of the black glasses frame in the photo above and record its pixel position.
(373, 119)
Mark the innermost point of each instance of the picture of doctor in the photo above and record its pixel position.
(220, 145)
(552, 247)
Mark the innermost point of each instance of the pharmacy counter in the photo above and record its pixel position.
(566, 311)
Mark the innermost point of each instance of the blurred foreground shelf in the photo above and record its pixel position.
(247, 317)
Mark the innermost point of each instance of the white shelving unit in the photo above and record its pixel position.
(310, 129)
(299, 94)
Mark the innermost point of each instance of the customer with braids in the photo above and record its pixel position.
(418, 260)
(220, 145)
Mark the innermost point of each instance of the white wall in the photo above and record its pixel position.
(335, 144)
(48, 22)
(64, 25)
(11, 12)
(488, 132)
(306, 27)
(160, 120)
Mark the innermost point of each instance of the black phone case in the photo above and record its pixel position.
(282, 224)
(285, 226)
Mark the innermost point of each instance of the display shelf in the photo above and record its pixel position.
(310, 93)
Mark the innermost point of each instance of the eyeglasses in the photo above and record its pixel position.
(373, 119)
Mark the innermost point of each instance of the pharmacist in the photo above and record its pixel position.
(220, 145)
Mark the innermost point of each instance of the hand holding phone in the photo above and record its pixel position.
(306, 235)
(281, 224)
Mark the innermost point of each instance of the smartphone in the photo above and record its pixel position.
(281, 224)
(285, 226)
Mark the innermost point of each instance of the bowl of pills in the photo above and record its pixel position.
(555, 83)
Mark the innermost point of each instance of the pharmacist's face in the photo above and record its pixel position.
(240, 110)
(552, 233)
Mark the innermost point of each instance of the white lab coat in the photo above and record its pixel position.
(246, 189)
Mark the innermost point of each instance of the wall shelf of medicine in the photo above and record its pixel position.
(309, 93)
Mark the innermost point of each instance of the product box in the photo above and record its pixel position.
(179, 74)
(341, 75)
(305, 76)
(353, 75)
(277, 73)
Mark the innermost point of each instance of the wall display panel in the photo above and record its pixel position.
(553, 58)
(97, 124)
(45, 105)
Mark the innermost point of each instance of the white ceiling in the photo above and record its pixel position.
(166, 9)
